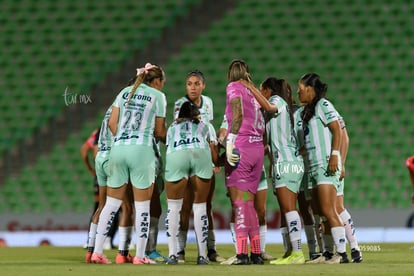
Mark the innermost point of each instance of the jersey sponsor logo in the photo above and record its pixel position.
(138, 97)
(104, 148)
(186, 141)
(125, 136)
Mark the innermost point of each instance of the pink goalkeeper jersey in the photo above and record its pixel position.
(252, 128)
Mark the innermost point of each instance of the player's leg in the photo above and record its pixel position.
(175, 194)
(287, 202)
(327, 199)
(201, 187)
(212, 254)
(94, 223)
(155, 213)
(126, 226)
(185, 222)
(349, 230)
(260, 202)
(112, 205)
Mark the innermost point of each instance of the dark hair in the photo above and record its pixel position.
(189, 111)
(313, 80)
(238, 69)
(197, 73)
(281, 88)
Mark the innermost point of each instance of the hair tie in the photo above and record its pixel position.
(145, 68)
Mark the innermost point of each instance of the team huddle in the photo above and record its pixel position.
(306, 145)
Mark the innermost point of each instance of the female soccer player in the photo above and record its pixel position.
(138, 114)
(195, 85)
(191, 149)
(322, 132)
(243, 169)
(102, 173)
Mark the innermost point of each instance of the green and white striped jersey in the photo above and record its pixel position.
(105, 136)
(298, 129)
(185, 134)
(137, 118)
(318, 137)
(280, 134)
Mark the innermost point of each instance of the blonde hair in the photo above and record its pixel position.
(238, 69)
(146, 77)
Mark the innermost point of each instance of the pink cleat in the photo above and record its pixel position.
(99, 259)
(145, 260)
(88, 257)
(123, 259)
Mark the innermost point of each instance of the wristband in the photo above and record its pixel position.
(231, 138)
(335, 152)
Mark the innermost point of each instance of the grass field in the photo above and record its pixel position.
(379, 259)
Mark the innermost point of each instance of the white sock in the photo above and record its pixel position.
(338, 235)
(130, 230)
(233, 234)
(123, 242)
(286, 240)
(263, 233)
(153, 234)
(201, 227)
(106, 219)
(92, 234)
(349, 229)
(295, 229)
(142, 224)
(172, 224)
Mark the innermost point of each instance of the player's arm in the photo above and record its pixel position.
(160, 130)
(237, 115)
(264, 103)
(113, 120)
(237, 119)
(335, 148)
(344, 150)
(84, 150)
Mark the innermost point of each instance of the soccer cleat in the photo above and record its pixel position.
(287, 254)
(213, 256)
(338, 258)
(99, 259)
(326, 256)
(172, 260)
(242, 259)
(156, 256)
(201, 260)
(296, 257)
(181, 256)
(256, 259)
(88, 257)
(356, 255)
(266, 257)
(313, 256)
(229, 261)
(142, 261)
(120, 259)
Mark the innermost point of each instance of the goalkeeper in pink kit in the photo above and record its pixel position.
(245, 157)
